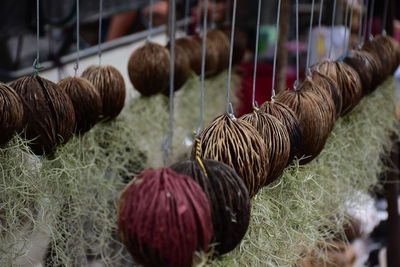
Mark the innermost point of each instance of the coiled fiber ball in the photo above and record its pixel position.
(367, 68)
(221, 41)
(239, 44)
(193, 50)
(148, 69)
(228, 196)
(111, 87)
(164, 218)
(348, 81)
(315, 117)
(49, 116)
(237, 144)
(212, 55)
(392, 47)
(276, 139)
(291, 122)
(182, 68)
(11, 113)
(86, 101)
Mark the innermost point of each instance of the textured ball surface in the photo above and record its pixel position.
(193, 50)
(239, 44)
(212, 55)
(221, 41)
(86, 101)
(276, 139)
(229, 199)
(237, 144)
(11, 113)
(182, 68)
(291, 122)
(315, 119)
(49, 116)
(111, 87)
(164, 218)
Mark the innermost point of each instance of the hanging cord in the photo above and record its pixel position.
(321, 5)
(168, 139)
(350, 25)
(360, 25)
(213, 25)
(346, 14)
(384, 17)
(186, 16)
(100, 29)
(310, 39)
(203, 67)
(365, 24)
(371, 18)
(150, 21)
(253, 97)
(332, 26)
(76, 66)
(296, 83)
(278, 15)
(36, 62)
(229, 108)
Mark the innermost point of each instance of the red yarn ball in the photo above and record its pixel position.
(164, 218)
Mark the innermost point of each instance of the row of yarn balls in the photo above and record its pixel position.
(173, 215)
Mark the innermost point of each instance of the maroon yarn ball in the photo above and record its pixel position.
(164, 218)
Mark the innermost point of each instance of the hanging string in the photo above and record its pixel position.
(321, 5)
(203, 67)
(76, 66)
(168, 139)
(186, 16)
(384, 17)
(150, 20)
(36, 62)
(365, 24)
(309, 37)
(360, 25)
(332, 26)
(213, 25)
(253, 98)
(229, 108)
(296, 83)
(371, 17)
(278, 15)
(100, 29)
(345, 29)
(350, 25)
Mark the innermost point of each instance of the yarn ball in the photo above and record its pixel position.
(164, 218)
(182, 68)
(11, 113)
(49, 116)
(237, 144)
(276, 138)
(393, 47)
(228, 196)
(290, 121)
(212, 55)
(111, 87)
(148, 69)
(348, 81)
(239, 44)
(383, 53)
(221, 41)
(193, 51)
(315, 117)
(86, 101)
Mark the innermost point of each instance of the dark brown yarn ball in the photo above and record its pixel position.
(237, 144)
(86, 101)
(212, 55)
(366, 66)
(393, 48)
(148, 69)
(111, 86)
(220, 39)
(315, 117)
(49, 116)
(348, 81)
(229, 199)
(291, 122)
(164, 218)
(11, 113)
(329, 89)
(193, 51)
(239, 44)
(276, 138)
(383, 53)
(182, 68)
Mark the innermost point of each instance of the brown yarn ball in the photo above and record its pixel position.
(290, 121)
(193, 51)
(182, 68)
(367, 66)
(212, 55)
(315, 117)
(86, 101)
(393, 48)
(148, 69)
(383, 53)
(329, 89)
(276, 138)
(237, 144)
(11, 113)
(239, 44)
(228, 196)
(49, 116)
(111, 86)
(220, 39)
(347, 80)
